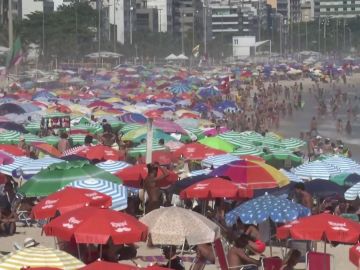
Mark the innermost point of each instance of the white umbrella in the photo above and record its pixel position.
(174, 226)
(171, 57)
(182, 57)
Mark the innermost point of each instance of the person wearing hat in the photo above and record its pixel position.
(30, 242)
(22, 143)
(174, 261)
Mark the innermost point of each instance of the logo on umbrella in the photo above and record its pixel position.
(94, 196)
(49, 204)
(201, 186)
(71, 222)
(338, 226)
(120, 226)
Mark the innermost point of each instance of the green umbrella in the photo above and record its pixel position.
(33, 127)
(292, 143)
(252, 136)
(9, 137)
(137, 135)
(79, 139)
(116, 124)
(196, 131)
(346, 178)
(130, 127)
(141, 149)
(92, 128)
(217, 143)
(283, 158)
(58, 175)
(52, 140)
(30, 138)
(243, 151)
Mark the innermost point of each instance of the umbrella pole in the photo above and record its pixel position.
(100, 252)
(78, 250)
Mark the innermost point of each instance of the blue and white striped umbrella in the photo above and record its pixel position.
(343, 163)
(199, 172)
(217, 161)
(258, 210)
(180, 88)
(353, 193)
(34, 166)
(292, 177)
(18, 162)
(316, 170)
(113, 166)
(117, 192)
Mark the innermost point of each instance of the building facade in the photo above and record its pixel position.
(165, 13)
(338, 8)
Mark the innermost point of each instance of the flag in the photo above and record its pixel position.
(196, 50)
(15, 54)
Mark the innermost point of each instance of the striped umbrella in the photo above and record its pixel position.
(18, 162)
(252, 136)
(52, 140)
(30, 138)
(180, 88)
(112, 166)
(343, 163)
(129, 127)
(196, 131)
(9, 137)
(292, 143)
(243, 151)
(353, 193)
(78, 139)
(133, 118)
(141, 149)
(316, 170)
(216, 161)
(74, 150)
(117, 192)
(33, 127)
(39, 256)
(270, 141)
(92, 128)
(35, 166)
(235, 139)
(200, 172)
(292, 177)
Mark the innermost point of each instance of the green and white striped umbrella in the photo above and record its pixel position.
(236, 139)
(271, 141)
(255, 151)
(116, 124)
(39, 256)
(130, 127)
(9, 137)
(33, 127)
(230, 135)
(253, 137)
(53, 140)
(292, 143)
(92, 128)
(30, 138)
(269, 147)
(78, 139)
(196, 131)
(141, 149)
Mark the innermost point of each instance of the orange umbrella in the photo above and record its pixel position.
(47, 148)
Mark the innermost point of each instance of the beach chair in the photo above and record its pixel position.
(271, 263)
(221, 259)
(303, 246)
(319, 261)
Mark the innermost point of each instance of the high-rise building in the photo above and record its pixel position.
(337, 9)
(16, 10)
(146, 17)
(165, 13)
(124, 19)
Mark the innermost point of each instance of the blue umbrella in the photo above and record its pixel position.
(258, 210)
(226, 105)
(133, 118)
(44, 95)
(324, 188)
(179, 88)
(112, 166)
(117, 192)
(34, 166)
(206, 92)
(343, 163)
(200, 107)
(18, 162)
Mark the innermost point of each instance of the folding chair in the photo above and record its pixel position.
(271, 263)
(22, 215)
(221, 259)
(319, 261)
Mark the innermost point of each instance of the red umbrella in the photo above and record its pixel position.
(321, 227)
(252, 158)
(69, 199)
(216, 188)
(354, 255)
(12, 149)
(100, 152)
(47, 148)
(163, 157)
(5, 158)
(99, 103)
(96, 226)
(196, 151)
(154, 113)
(40, 268)
(134, 175)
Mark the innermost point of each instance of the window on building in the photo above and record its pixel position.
(344, 2)
(336, 9)
(353, 8)
(236, 42)
(328, 9)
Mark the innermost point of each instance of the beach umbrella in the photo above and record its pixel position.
(328, 227)
(213, 188)
(129, 127)
(47, 148)
(282, 158)
(168, 126)
(68, 199)
(258, 210)
(196, 151)
(217, 161)
(316, 170)
(113, 166)
(354, 254)
(141, 149)
(100, 152)
(6, 158)
(237, 141)
(61, 174)
(12, 149)
(79, 139)
(133, 176)
(133, 118)
(73, 150)
(137, 135)
(252, 136)
(323, 188)
(117, 192)
(245, 151)
(9, 137)
(179, 88)
(39, 256)
(162, 157)
(215, 131)
(292, 177)
(18, 162)
(253, 174)
(90, 225)
(206, 92)
(343, 163)
(174, 226)
(347, 179)
(34, 166)
(292, 143)
(118, 266)
(33, 127)
(353, 193)
(226, 105)
(217, 143)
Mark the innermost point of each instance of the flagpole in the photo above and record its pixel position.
(10, 25)
(149, 141)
